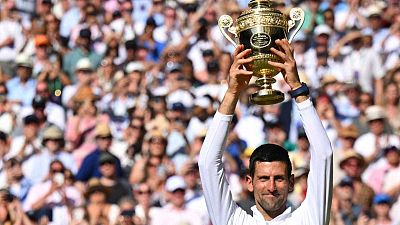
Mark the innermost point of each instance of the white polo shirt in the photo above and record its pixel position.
(314, 210)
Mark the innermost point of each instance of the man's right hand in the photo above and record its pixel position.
(238, 80)
(239, 77)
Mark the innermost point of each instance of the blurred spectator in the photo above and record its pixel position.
(143, 196)
(246, 198)
(154, 166)
(380, 213)
(29, 142)
(11, 211)
(344, 210)
(119, 187)
(71, 18)
(84, 77)
(54, 78)
(90, 167)
(11, 39)
(51, 112)
(21, 88)
(390, 102)
(53, 197)
(376, 175)
(352, 165)
(300, 186)
(301, 156)
(6, 115)
(391, 182)
(15, 181)
(148, 41)
(83, 49)
(369, 145)
(97, 209)
(347, 137)
(52, 148)
(175, 211)
(128, 214)
(4, 148)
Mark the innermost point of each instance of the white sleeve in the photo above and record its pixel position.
(315, 209)
(216, 189)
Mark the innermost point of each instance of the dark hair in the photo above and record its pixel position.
(270, 153)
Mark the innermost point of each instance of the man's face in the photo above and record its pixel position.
(24, 73)
(178, 197)
(352, 167)
(271, 185)
(107, 169)
(377, 126)
(104, 143)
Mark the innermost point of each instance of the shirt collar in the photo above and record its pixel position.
(259, 217)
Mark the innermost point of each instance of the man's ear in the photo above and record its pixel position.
(291, 183)
(249, 182)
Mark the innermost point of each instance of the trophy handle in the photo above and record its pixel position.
(226, 22)
(296, 21)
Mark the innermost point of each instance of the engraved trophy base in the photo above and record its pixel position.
(267, 97)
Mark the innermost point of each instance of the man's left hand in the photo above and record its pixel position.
(288, 68)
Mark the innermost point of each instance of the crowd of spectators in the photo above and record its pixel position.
(104, 105)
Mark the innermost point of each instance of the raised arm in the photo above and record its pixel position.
(216, 189)
(315, 209)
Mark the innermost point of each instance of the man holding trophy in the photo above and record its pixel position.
(271, 178)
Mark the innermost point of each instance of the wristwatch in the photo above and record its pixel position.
(302, 90)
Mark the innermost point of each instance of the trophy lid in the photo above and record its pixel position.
(260, 4)
(264, 5)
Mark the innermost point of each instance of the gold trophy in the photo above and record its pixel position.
(257, 29)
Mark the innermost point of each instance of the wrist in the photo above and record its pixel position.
(295, 86)
(300, 92)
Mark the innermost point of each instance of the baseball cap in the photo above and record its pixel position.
(382, 199)
(173, 67)
(52, 132)
(38, 102)
(134, 67)
(106, 157)
(375, 112)
(374, 11)
(390, 149)
(346, 182)
(24, 61)
(178, 106)
(41, 40)
(31, 119)
(202, 102)
(84, 64)
(131, 44)
(322, 29)
(85, 33)
(174, 183)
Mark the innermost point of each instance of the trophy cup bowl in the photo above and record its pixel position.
(257, 29)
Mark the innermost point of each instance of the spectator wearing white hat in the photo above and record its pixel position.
(53, 148)
(370, 145)
(175, 212)
(84, 76)
(21, 88)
